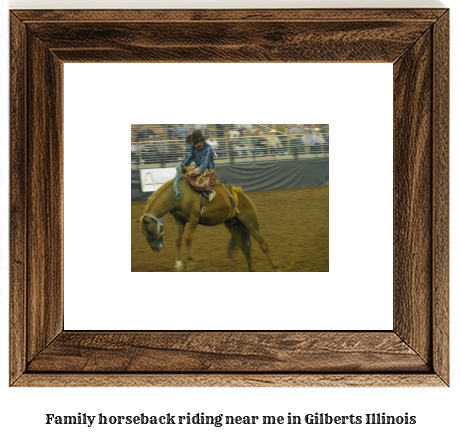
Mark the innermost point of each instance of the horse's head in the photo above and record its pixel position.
(152, 228)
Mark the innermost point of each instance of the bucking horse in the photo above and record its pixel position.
(231, 207)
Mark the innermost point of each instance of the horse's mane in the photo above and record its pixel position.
(156, 194)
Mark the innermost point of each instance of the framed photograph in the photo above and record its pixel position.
(414, 353)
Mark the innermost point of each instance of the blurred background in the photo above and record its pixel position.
(163, 145)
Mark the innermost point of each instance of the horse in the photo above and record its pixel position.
(231, 207)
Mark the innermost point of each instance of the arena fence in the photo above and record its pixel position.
(251, 176)
(164, 145)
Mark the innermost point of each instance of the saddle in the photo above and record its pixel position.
(204, 181)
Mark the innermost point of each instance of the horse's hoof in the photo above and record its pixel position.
(190, 267)
(179, 266)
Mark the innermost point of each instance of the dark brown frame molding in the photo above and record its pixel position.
(414, 353)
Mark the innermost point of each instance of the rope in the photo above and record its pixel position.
(176, 181)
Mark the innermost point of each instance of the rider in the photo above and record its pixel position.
(203, 156)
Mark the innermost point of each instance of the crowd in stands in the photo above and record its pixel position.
(167, 142)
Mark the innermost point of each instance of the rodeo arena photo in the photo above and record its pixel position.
(230, 197)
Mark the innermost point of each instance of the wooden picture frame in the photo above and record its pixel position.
(414, 353)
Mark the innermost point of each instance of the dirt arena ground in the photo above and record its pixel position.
(294, 222)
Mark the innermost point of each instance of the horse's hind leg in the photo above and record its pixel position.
(241, 239)
(180, 230)
(249, 217)
(256, 233)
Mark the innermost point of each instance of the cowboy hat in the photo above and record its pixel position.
(194, 137)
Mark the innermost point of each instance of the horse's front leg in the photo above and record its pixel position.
(180, 231)
(190, 230)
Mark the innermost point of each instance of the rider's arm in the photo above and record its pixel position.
(189, 158)
(207, 160)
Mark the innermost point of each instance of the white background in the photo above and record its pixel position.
(355, 99)
(23, 410)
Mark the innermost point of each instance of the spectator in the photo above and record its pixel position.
(152, 153)
(245, 147)
(306, 140)
(170, 131)
(317, 140)
(234, 133)
(163, 149)
(145, 141)
(144, 133)
(181, 132)
(134, 152)
(220, 130)
(275, 146)
(213, 143)
(234, 148)
(189, 128)
(296, 145)
(261, 146)
(139, 153)
(295, 130)
(238, 127)
(325, 131)
(176, 150)
(248, 129)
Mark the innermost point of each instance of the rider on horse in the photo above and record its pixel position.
(203, 156)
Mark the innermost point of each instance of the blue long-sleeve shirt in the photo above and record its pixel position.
(203, 157)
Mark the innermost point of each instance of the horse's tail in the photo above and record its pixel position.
(239, 233)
